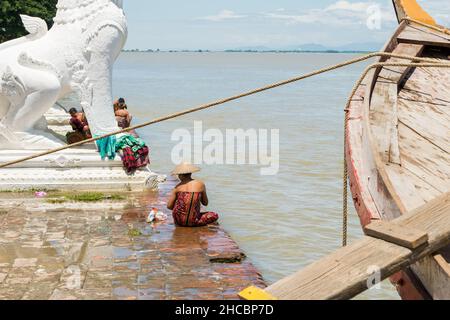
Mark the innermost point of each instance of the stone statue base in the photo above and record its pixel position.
(78, 169)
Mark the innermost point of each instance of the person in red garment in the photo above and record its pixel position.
(187, 197)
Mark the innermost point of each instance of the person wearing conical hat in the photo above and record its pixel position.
(187, 197)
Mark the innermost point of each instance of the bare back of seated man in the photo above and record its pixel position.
(123, 118)
(187, 197)
(190, 185)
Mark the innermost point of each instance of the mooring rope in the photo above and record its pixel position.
(423, 24)
(219, 102)
(424, 62)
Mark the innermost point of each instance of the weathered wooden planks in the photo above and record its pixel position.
(399, 235)
(413, 174)
(417, 36)
(424, 105)
(426, 122)
(345, 273)
(359, 167)
(383, 120)
(384, 104)
(424, 159)
(434, 272)
(411, 191)
(360, 164)
(397, 74)
(421, 175)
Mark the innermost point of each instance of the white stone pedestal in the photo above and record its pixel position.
(78, 169)
(58, 121)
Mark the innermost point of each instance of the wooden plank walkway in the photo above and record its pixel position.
(346, 272)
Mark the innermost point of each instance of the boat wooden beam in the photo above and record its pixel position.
(353, 269)
(397, 234)
(416, 35)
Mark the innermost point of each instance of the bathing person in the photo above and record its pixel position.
(187, 197)
(122, 103)
(79, 122)
(123, 117)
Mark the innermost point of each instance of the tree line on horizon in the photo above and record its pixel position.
(11, 26)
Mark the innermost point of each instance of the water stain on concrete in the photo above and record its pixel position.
(64, 253)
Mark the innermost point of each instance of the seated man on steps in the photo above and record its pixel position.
(80, 125)
(187, 197)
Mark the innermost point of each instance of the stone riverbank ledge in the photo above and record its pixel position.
(99, 246)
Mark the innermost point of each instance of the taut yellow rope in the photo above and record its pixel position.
(439, 29)
(220, 102)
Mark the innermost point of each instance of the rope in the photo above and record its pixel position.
(439, 29)
(220, 102)
(425, 62)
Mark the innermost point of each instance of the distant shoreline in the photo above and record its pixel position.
(246, 51)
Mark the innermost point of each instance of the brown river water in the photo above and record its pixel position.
(284, 221)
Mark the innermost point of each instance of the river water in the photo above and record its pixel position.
(284, 221)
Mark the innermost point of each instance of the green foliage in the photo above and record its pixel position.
(134, 233)
(85, 197)
(11, 26)
(92, 197)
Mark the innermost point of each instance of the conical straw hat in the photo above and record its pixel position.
(184, 168)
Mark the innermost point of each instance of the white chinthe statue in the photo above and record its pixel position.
(75, 55)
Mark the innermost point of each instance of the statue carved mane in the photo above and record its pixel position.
(75, 55)
(82, 12)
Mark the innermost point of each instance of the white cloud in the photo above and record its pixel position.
(223, 15)
(311, 17)
(340, 13)
(350, 6)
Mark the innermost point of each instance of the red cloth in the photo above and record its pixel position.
(142, 157)
(128, 159)
(186, 212)
(132, 161)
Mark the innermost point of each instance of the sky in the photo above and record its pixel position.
(280, 24)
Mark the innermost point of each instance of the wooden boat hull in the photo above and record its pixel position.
(375, 184)
(358, 164)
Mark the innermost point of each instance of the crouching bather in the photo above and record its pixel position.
(80, 126)
(78, 122)
(187, 197)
